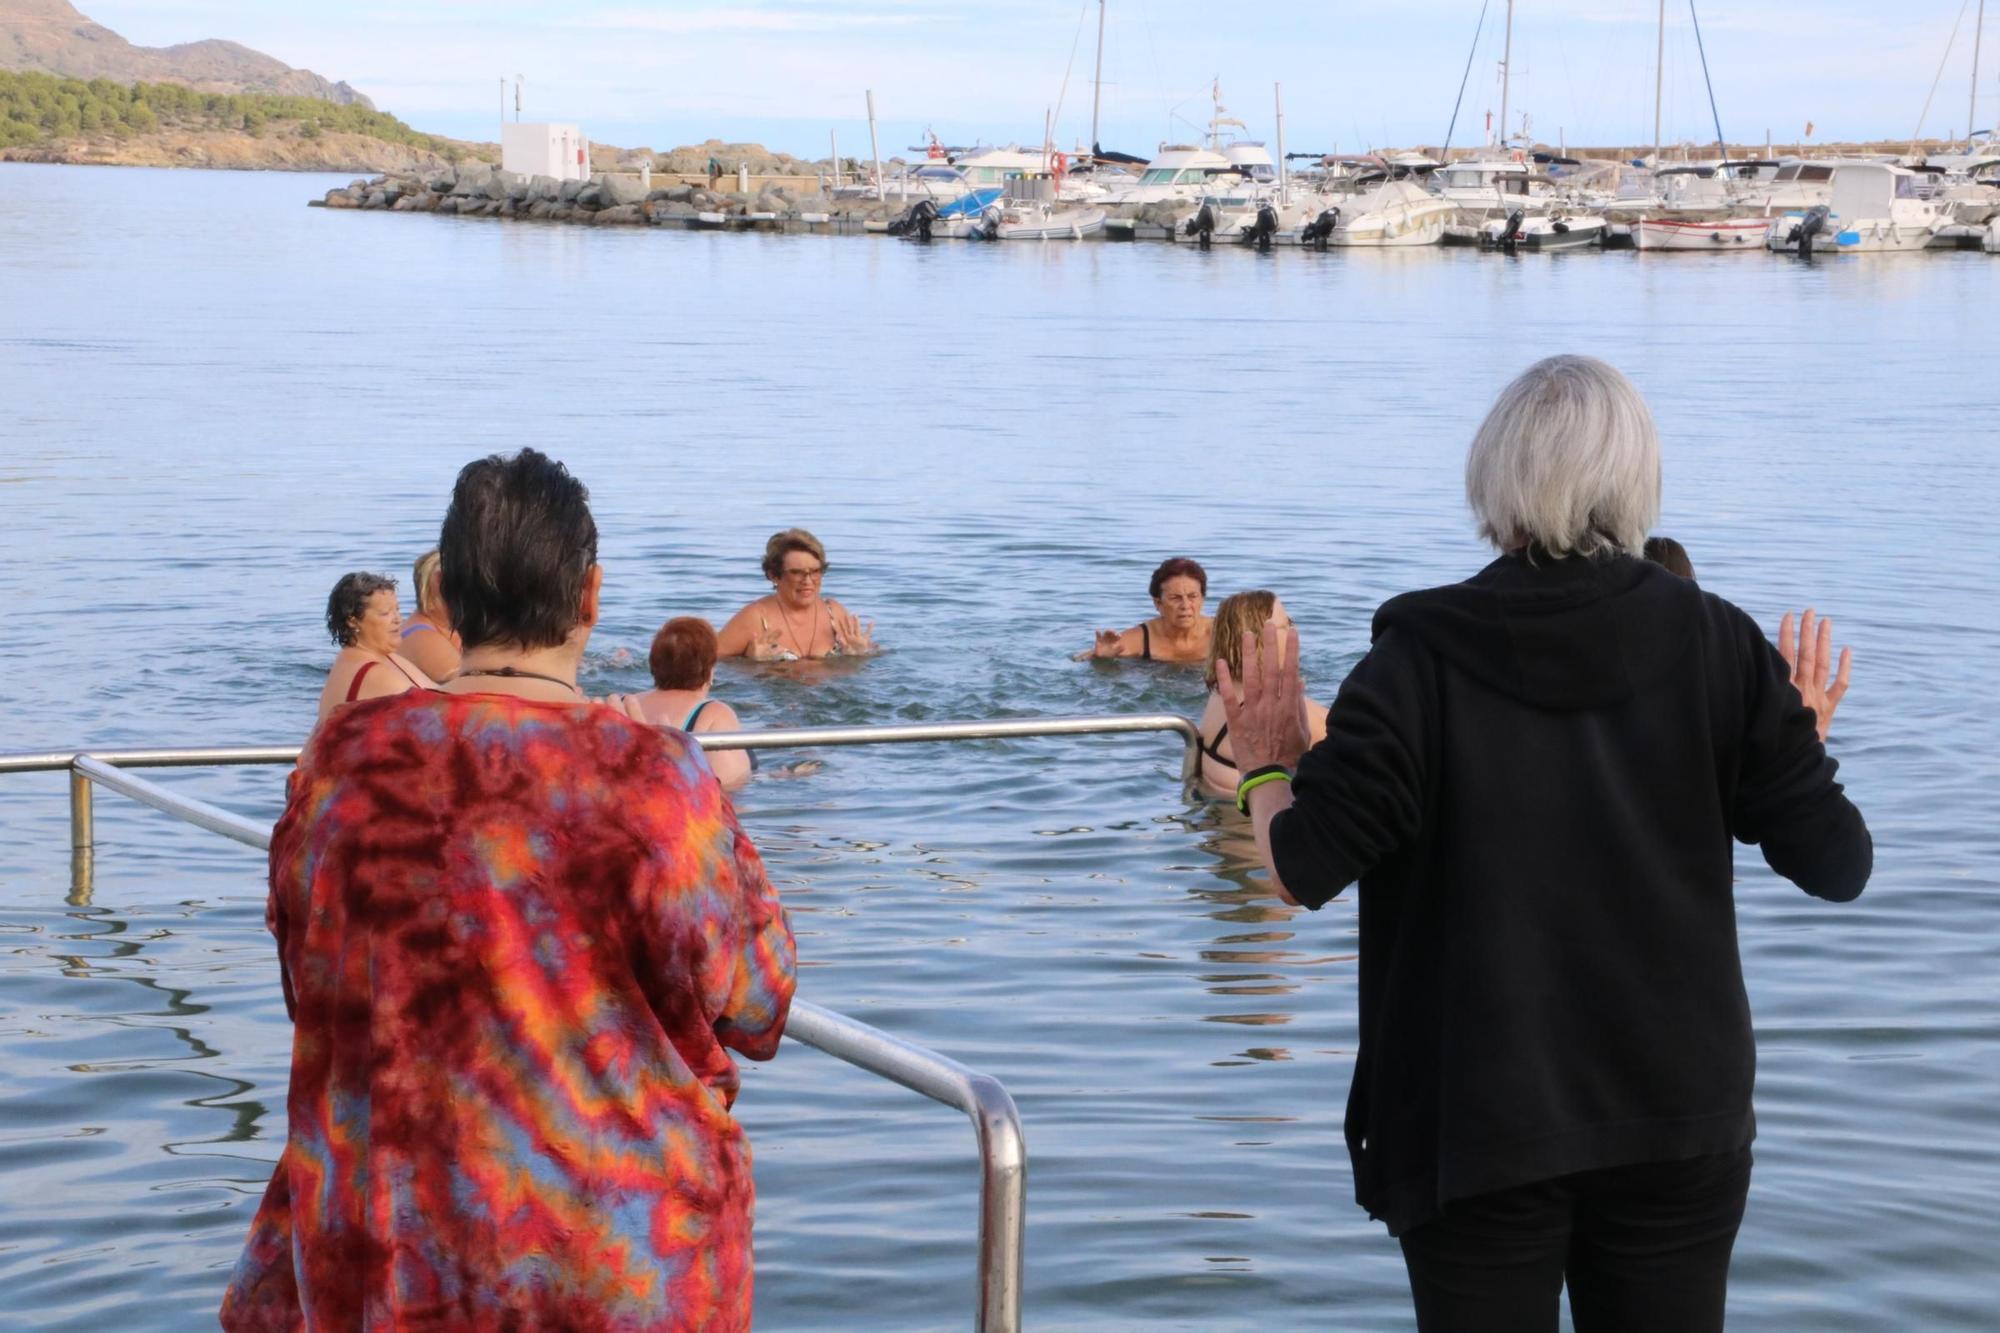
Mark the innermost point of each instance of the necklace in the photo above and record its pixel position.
(805, 649)
(515, 673)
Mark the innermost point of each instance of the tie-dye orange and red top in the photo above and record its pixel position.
(518, 941)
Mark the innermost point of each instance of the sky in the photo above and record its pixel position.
(1354, 76)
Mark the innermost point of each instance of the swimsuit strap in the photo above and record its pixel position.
(687, 723)
(354, 686)
(1146, 642)
(1213, 748)
(414, 682)
(416, 625)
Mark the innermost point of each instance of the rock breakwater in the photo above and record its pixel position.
(606, 199)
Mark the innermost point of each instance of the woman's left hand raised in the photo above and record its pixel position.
(849, 635)
(1270, 726)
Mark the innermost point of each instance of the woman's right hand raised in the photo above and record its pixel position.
(1109, 641)
(764, 647)
(1809, 653)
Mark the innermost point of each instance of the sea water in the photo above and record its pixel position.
(214, 401)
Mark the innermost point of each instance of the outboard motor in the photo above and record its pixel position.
(1202, 225)
(989, 225)
(916, 222)
(1263, 229)
(1320, 230)
(1809, 226)
(1510, 235)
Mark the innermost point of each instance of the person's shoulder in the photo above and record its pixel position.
(718, 716)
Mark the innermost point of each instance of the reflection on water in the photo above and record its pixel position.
(208, 430)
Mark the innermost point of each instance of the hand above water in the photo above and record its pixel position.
(850, 637)
(765, 647)
(1271, 725)
(1110, 643)
(1809, 653)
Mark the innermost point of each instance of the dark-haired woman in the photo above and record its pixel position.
(1179, 633)
(363, 617)
(683, 665)
(795, 621)
(519, 935)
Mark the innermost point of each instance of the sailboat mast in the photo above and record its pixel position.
(1506, 72)
(1972, 113)
(1659, 83)
(1097, 84)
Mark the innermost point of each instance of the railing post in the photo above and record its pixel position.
(1003, 1208)
(82, 840)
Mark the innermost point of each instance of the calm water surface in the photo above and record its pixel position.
(214, 401)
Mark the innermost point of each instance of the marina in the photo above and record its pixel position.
(996, 442)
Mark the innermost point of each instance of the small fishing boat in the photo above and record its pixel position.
(1044, 220)
(1710, 234)
(1558, 229)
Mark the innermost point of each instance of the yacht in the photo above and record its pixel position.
(1393, 213)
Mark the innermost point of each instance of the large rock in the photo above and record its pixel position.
(541, 209)
(618, 191)
(590, 196)
(506, 185)
(567, 192)
(342, 199)
(621, 215)
(473, 179)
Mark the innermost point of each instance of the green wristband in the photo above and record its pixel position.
(1274, 773)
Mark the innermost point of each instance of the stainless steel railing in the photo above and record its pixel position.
(82, 824)
(996, 1121)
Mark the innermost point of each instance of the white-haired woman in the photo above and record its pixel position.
(1536, 776)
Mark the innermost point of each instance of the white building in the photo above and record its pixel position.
(544, 149)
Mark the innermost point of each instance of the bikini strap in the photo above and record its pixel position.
(416, 625)
(1213, 748)
(354, 686)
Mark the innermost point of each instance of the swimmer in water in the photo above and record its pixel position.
(364, 618)
(1245, 613)
(795, 622)
(428, 638)
(1180, 633)
(683, 666)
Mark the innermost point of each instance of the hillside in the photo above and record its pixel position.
(48, 119)
(51, 37)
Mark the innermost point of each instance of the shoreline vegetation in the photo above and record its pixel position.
(48, 118)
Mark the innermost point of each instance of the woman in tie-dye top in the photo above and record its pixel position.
(517, 932)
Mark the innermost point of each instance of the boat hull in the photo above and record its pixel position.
(1075, 226)
(1862, 238)
(1719, 234)
(1580, 235)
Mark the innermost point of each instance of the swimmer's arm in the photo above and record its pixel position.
(739, 636)
(732, 767)
(1114, 643)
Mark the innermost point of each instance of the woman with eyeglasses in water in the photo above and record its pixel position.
(1245, 614)
(1180, 633)
(795, 621)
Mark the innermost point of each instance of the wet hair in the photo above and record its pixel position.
(1243, 613)
(784, 543)
(348, 602)
(1567, 462)
(1179, 567)
(518, 546)
(421, 575)
(683, 654)
(1667, 552)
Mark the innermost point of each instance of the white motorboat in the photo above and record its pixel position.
(1394, 213)
(1180, 172)
(1250, 216)
(1558, 229)
(1874, 207)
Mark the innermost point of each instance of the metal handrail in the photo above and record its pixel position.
(996, 1121)
(1013, 728)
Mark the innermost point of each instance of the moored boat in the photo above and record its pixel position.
(1709, 234)
(1873, 208)
(1558, 229)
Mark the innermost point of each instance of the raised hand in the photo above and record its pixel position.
(1109, 642)
(849, 636)
(1270, 725)
(1809, 653)
(765, 646)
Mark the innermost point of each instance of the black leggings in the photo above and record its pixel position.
(1645, 1249)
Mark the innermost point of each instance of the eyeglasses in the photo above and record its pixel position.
(813, 573)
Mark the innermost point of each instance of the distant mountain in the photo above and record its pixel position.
(52, 37)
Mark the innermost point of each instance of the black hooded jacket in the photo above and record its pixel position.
(1537, 775)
